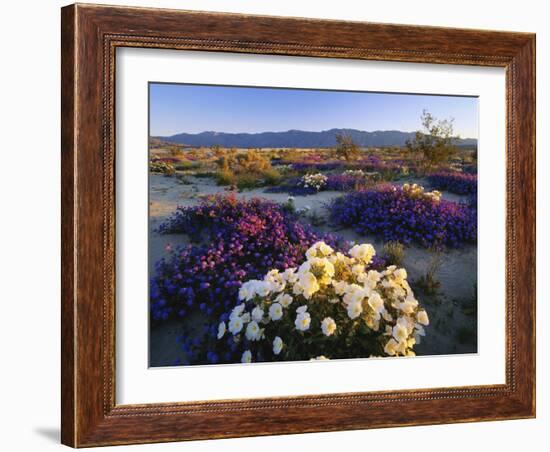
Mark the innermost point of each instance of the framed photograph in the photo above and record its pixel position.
(281, 225)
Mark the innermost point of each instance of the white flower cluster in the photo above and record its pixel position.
(356, 173)
(316, 181)
(417, 191)
(330, 297)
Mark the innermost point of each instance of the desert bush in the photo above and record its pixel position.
(428, 281)
(247, 170)
(271, 176)
(176, 152)
(394, 252)
(314, 181)
(162, 167)
(225, 177)
(187, 165)
(346, 147)
(332, 306)
(394, 213)
(435, 141)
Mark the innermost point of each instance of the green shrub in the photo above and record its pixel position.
(428, 282)
(272, 176)
(160, 167)
(225, 177)
(394, 252)
(187, 165)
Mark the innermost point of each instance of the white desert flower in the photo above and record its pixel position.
(246, 357)
(354, 294)
(245, 317)
(284, 299)
(312, 250)
(400, 333)
(340, 287)
(376, 302)
(237, 311)
(373, 277)
(303, 319)
(245, 292)
(221, 330)
(249, 290)
(389, 270)
(325, 249)
(309, 284)
(277, 345)
(408, 306)
(257, 314)
(253, 331)
(275, 281)
(301, 309)
(263, 288)
(422, 318)
(235, 325)
(400, 274)
(328, 267)
(363, 252)
(387, 316)
(272, 275)
(275, 311)
(354, 310)
(328, 326)
(290, 276)
(358, 269)
(391, 347)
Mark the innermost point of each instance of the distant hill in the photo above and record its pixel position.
(298, 139)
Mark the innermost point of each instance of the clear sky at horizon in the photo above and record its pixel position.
(180, 108)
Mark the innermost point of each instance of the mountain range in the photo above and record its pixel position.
(299, 139)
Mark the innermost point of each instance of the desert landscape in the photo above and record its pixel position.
(314, 187)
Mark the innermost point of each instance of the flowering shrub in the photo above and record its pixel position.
(346, 182)
(161, 167)
(314, 181)
(333, 182)
(332, 306)
(354, 173)
(459, 183)
(302, 167)
(396, 213)
(237, 240)
(417, 191)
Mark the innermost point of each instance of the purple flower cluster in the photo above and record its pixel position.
(304, 167)
(390, 213)
(459, 183)
(345, 182)
(237, 241)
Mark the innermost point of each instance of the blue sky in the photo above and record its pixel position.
(177, 108)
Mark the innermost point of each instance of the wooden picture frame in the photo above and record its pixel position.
(90, 36)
